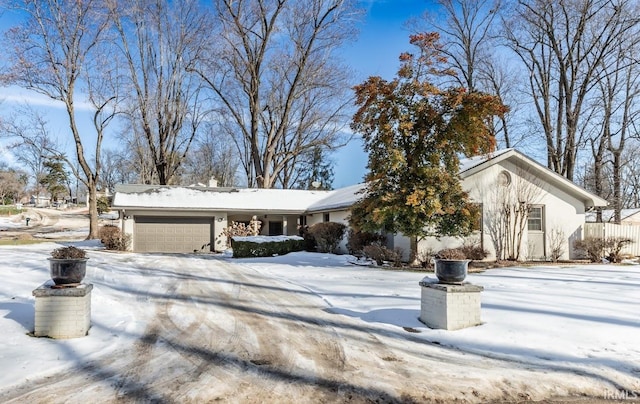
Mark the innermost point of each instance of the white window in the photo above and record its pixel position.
(534, 223)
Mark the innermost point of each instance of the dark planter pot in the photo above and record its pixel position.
(66, 271)
(451, 271)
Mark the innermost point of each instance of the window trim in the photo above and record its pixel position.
(539, 219)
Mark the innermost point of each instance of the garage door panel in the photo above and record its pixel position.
(160, 234)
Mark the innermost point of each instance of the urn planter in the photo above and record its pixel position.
(66, 271)
(451, 271)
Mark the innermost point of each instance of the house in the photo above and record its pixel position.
(40, 201)
(101, 194)
(627, 216)
(507, 184)
(184, 219)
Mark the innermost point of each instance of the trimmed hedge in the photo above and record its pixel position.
(247, 248)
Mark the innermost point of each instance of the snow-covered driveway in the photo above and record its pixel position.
(181, 328)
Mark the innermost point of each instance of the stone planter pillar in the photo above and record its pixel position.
(62, 312)
(449, 306)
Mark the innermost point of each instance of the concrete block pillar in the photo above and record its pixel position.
(62, 312)
(449, 306)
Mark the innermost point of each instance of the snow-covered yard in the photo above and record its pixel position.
(547, 331)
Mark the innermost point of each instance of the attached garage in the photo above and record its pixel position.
(177, 219)
(172, 234)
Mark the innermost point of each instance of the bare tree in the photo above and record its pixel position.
(561, 44)
(11, 184)
(498, 78)
(465, 28)
(112, 170)
(158, 39)
(468, 31)
(280, 90)
(213, 156)
(557, 242)
(631, 176)
(508, 211)
(620, 90)
(52, 49)
(614, 111)
(33, 143)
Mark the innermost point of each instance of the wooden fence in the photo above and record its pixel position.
(606, 230)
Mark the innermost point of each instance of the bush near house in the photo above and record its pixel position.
(381, 255)
(357, 240)
(309, 240)
(473, 251)
(327, 235)
(247, 248)
(597, 248)
(240, 229)
(113, 239)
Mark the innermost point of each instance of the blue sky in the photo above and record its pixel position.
(382, 37)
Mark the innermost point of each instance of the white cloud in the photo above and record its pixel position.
(6, 156)
(17, 95)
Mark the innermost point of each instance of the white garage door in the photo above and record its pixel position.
(172, 235)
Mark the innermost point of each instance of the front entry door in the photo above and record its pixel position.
(536, 234)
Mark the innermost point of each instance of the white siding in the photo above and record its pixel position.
(562, 211)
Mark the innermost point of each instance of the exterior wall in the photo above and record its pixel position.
(401, 242)
(337, 216)
(562, 212)
(341, 216)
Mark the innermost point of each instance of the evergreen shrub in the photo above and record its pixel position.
(248, 249)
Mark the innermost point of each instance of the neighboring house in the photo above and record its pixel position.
(627, 216)
(101, 194)
(40, 201)
(184, 219)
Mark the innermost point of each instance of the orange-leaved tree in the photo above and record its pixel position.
(414, 132)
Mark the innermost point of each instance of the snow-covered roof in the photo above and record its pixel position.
(468, 163)
(607, 214)
(228, 199)
(238, 199)
(339, 198)
(473, 165)
(300, 201)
